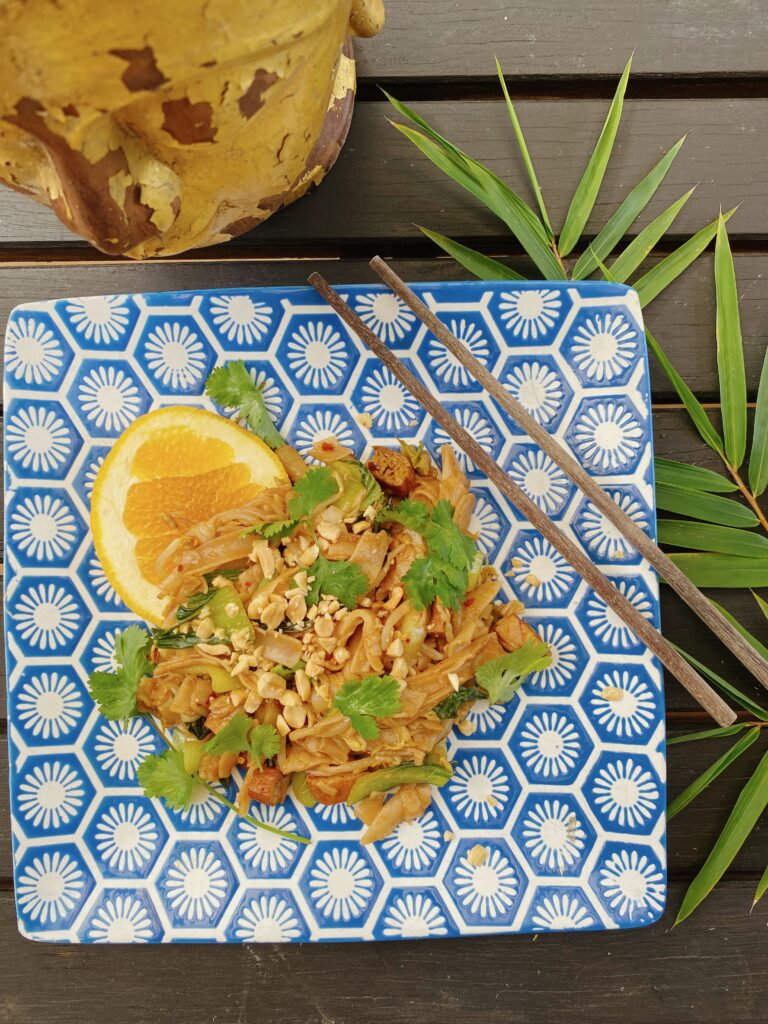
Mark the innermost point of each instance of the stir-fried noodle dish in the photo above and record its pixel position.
(327, 635)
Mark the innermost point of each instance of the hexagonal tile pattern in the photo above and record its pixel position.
(554, 817)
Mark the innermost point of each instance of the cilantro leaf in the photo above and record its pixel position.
(195, 602)
(163, 775)
(232, 387)
(502, 677)
(449, 707)
(362, 701)
(410, 513)
(429, 578)
(275, 531)
(232, 738)
(448, 541)
(314, 487)
(115, 692)
(264, 743)
(345, 581)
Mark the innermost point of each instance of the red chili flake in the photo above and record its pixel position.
(468, 602)
(326, 446)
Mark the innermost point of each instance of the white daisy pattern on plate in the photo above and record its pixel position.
(553, 836)
(485, 717)
(47, 616)
(605, 623)
(632, 884)
(50, 887)
(390, 406)
(560, 671)
(540, 572)
(175, 355)
(101, 319)
(238, 318)
(607, 436)
(600, 534)
(414, 915)
(50, 794)
(317, 355)
(126, 837)
(267, 918)
(49, 705)
(537, 388)
(530, 313)
(413, 845)
(334, 814)
(99, 583)
(604, 345)
(476, 424)
(203, 810)
(340, 883)
(109, 398)
(485, 524)
(89, 478)
(196, 884)
(544, 482)
(479, 788)
(43, 526)
(33, 353)
(561, 912)
(264, 851)
(623, 704)
(317, 426)
(385, 314)
(121, 918)
(37, 439)
(120, 747)
(550, 744)
(487, 890)
(626, 793)
(451, 373)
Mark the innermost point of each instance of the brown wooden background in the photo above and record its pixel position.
(700, 66)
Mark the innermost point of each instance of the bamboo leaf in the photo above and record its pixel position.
(758, 645)
(695, 409)
(498, 197)
(630, 259)
(762, 605)
(743, 818)
(484, 267)
(618, 224)
(730, 352)
(672, 266)
(762, 886)
(692, 478)
(708, 734)
(710, 508)
(587, 189)
(728, 688)
(702, 537)
(758, 460)
(710, 774)
(524, 152)
(730, 571)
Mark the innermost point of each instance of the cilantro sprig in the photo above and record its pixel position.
(345, 581)
(240, 735)
(444, 571)
(232, 387)
(115, 692)
(502, 677)
(449, 707)
(362, 701)
(316, 486)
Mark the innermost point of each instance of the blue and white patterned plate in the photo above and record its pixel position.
(565, 787)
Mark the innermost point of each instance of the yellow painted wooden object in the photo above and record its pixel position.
(151, 128)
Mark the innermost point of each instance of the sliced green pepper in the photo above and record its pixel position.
(224, 599)
(301, 790)
(401, 775)
(192, 752)
(221, 680)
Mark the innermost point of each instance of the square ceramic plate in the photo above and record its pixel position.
(565, 787)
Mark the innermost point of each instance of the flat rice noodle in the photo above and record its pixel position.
(285, 650)
(370, 552)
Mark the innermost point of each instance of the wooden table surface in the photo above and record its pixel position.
(700, 65)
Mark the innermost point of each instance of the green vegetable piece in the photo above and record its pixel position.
(193, 754)
(401, 775)
(301, 790)
(221, 680)
(449, 707)
(359, 488)
(221, 606)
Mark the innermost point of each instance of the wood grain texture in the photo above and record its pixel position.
(707, 971)
(457, 38)
(682, 318)
(381, 185)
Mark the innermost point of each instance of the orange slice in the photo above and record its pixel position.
(171, 469)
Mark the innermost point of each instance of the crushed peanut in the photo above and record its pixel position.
(478, 855)
(454, 680)
(466, 727)
(364, 419)
(310, 556)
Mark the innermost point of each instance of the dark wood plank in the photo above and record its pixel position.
(707, 971)
(682, 318)
(594, 37)
(381, 185)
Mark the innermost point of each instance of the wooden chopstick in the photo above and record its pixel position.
(691, 680)
(671, 574)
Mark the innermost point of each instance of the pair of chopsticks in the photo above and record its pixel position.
(699, 689)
